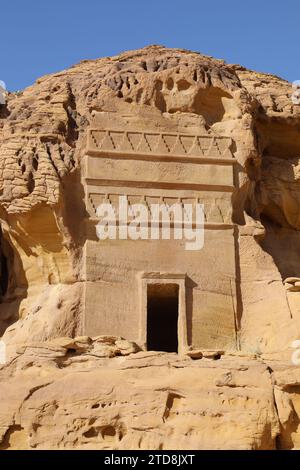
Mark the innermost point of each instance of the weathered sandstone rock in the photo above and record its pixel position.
(154, 124)
(144, 401)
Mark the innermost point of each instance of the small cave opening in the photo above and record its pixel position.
(13, 282)
(12, 276)
(4, 277)
(30, 183)
(277, 138)
(5, 253)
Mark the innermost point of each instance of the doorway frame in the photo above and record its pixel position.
(147, 278)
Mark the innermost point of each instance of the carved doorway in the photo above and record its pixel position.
(162, 317)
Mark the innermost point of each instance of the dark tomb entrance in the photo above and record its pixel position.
(162, 317)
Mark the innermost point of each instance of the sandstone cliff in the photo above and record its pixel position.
(241, 399)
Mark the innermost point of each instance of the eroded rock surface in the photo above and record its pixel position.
(102, 393)
(81, 398)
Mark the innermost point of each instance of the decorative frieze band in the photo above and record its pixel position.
(216, 210)
(159, 144)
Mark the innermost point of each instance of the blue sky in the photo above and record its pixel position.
(43, 36)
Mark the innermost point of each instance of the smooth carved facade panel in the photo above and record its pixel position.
(166, 168)
(149, 173)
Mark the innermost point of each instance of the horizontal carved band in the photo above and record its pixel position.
(216, 210)
(158, 144)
